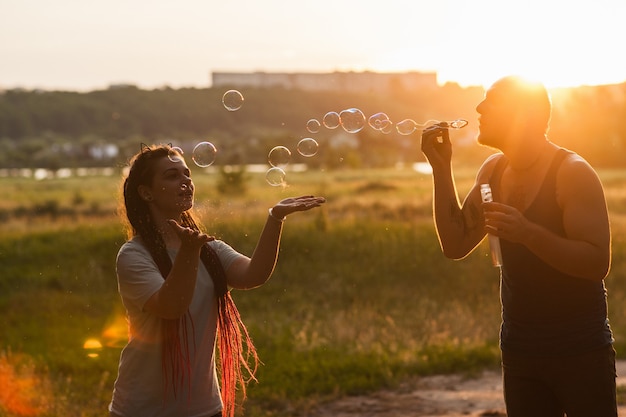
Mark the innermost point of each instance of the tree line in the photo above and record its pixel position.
(54, 129)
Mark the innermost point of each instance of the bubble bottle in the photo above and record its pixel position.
(494, 241)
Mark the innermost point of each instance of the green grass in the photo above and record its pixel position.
(369, 306)
(361, 298)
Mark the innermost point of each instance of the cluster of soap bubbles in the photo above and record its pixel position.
(352, 120)
(205, 153)
(280, 156)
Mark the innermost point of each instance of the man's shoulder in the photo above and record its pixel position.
(572, 162)
(489, 165)
(574, 175)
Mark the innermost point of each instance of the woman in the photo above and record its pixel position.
(174, 282)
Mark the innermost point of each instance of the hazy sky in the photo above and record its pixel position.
(90, 44)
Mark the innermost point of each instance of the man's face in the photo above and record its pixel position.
(496, 116)
(513, 109)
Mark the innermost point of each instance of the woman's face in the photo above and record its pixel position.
(172, 190)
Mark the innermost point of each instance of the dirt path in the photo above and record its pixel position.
(434, 396)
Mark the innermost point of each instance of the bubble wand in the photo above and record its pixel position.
(408, 126)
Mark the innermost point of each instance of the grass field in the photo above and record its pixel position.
(361, 297)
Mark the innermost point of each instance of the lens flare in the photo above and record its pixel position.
(23, 390)
(92, 347)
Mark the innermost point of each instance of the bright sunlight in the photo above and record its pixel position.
(470, 43)
(477, 43)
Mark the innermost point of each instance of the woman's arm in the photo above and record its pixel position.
(246, 273)
(174, 297)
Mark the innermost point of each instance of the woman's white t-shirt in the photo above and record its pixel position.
(139, 389)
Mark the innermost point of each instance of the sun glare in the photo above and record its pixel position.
(468, 73)
(578, 50)
(555, 78)
(93, 347)
(23, 392)
(115, 333)
(550, 77)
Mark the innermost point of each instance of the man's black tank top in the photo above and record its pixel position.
(544, 311)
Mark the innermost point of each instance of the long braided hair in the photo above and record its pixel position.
(238, 359)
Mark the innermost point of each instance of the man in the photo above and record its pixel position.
(550, 215)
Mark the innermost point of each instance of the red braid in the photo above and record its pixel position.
(237, 353)
(235, 345)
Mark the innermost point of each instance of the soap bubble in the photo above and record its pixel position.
(275, 176)
(331, 120)
(307, 147)
(406, 126)
(378, 121)
(279, 156)
(232, 100)
(175, 154)
(352, 120)
(313, 126)
(458, 123)
(204, 154)
(387, 127)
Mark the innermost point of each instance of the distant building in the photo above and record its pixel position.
(335, 81)
(121, 86)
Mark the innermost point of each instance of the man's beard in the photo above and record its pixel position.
(488, 141)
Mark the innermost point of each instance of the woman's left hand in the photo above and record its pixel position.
(293, 204)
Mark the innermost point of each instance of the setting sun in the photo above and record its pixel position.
(557, 45)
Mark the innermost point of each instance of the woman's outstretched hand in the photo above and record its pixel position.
(293, 204)
(189, 238)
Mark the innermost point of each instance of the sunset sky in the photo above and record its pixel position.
(85, 45)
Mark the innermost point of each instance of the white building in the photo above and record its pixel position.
(334, 81)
